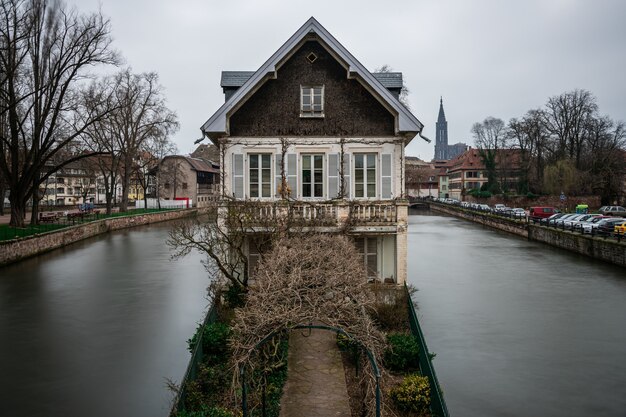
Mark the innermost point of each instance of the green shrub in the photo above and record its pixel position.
(402, 353)
(413, 394)
(214, 342)
(531, 195)
(209, 386)
(235, 296)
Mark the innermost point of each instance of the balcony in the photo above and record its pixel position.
(330, 214)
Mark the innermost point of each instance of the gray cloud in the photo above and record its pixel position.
(487, 58)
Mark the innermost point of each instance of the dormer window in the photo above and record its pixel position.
(312, 101)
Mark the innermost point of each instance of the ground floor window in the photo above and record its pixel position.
(368, 248)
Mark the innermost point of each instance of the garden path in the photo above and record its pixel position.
(316, 384)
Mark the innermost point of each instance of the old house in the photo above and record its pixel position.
(313, 127)
(184, 177)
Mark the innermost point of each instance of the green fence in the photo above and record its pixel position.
(438, 405)
(61, 221)
(197, 356)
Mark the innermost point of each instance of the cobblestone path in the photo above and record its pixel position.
(316, 385)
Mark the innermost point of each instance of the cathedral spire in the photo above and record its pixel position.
(442, 115)
(441, 141)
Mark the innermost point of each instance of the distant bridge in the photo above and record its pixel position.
(418, 203)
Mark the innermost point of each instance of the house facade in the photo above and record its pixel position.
(185, 177)
(315, 130)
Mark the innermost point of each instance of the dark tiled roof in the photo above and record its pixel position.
(389, 79)
(238, 78)
(235, 78)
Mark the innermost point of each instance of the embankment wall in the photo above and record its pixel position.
(18, 249)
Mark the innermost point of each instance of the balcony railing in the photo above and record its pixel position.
(374, 213)
(315, 214)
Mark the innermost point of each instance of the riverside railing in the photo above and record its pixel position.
(197, 356)
(437, 403)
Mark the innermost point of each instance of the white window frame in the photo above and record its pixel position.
(309, 91)
(259, 169)
(365, 195)
(323, 183)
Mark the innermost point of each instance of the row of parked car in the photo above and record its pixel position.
(499, 209)
(609, 221)
(587, 223)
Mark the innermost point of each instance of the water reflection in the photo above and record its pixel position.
(519, 328)
(94, 329)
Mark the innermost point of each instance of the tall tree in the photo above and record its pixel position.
(489, 137)
(45, 52)
(529, 135)
(141, 115)
(566, 118)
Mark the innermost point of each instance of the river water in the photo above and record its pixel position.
(95, 329)
(519, 328)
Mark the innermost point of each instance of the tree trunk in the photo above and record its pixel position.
(35, 210)
(2, 191)
(18, 209)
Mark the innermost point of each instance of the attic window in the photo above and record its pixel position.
(311, 57)
(311, 101)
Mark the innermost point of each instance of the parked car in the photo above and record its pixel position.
(613, 211)
(499, 208)
(587, 223)
(559, 222)
(620, 228)
(547, 220)
(484, 207)
(518, 213)
(542, 212)
(569, 223)
(607, 226)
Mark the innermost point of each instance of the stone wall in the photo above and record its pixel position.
(16, 250)
(608, 250)
(516, 227)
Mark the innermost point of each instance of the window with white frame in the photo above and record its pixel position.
(311, 101)
(365, 175)
(368, 249)
(260, 175)
(313, 175)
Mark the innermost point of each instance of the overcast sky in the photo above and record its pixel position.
(486, 58)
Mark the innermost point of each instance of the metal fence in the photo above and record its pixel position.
(52, 221)
(197, 357)
(437, 404)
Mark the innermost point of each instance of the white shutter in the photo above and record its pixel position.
(278, 174)
(292, 174)
(333, 176)
(238, 176)
(347, 185)
(385, 176)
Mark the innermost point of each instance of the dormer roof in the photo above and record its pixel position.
(218, 124)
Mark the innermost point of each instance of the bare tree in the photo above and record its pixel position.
(158, 148)
(141, 115)
(566, 118)
(306, 278)
(46, 50)
(530, 136)
(490, 136)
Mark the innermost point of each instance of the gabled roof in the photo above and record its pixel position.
(217, 125)
(238, 78)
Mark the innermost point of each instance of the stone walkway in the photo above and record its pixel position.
(316, 384)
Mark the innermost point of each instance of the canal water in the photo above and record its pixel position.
(95, 329)
(519, 328)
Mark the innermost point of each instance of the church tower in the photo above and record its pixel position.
(441, 142)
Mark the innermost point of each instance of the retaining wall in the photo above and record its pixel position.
(608, 250)
(16, 250)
